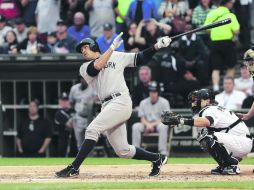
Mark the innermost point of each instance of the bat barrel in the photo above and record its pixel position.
(209, 26)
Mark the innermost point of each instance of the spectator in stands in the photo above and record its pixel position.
(69, 8)
(34, 133)
(11, 44)
(169, 9)
(242, 11)
(152, 31)
(31, 45)
(47, 14)
(252, 22)
(195, 55)
(107, 38)
(63, 120)
(173, 74)
(100, 12)
(223, 52)
(198, 18)
(51, 45)
(79, 30)
(10, 9)
(244, 83)
(158, 3)
(130, 44)
(230, 98)
(65, 43)
(121, 10)
(28, 10)
(81, 98)
(193, 3)
(248, 101)
(140, 92)
(141, 10)
(20, 29)
(4, 28)
(149, 112)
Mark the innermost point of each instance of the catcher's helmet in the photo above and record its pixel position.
(249, 54)
(89, 41)
(248, 58)
(198, 95)
(155, 86)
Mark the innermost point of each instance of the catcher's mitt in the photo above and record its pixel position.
(170, 118)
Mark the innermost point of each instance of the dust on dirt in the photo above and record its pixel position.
(123, 173)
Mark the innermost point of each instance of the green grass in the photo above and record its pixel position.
(126, 185)
(103, 161)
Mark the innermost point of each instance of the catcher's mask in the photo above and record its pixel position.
(196, 96)
(248, 58)
(88, 41)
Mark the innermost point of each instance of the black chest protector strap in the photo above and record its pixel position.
(225, 128)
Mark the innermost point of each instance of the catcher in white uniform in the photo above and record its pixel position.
(106, 73)
(224, 136)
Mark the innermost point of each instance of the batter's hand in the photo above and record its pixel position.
(163, 42)
(116, 43)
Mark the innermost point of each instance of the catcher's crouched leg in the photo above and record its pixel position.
(208, 143)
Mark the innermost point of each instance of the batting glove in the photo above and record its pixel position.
(117, 42)
(164, 42)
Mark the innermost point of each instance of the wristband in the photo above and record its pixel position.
(189, 121)
(186, 121)
(112, 47)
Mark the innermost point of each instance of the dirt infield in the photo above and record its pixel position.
(117, 173)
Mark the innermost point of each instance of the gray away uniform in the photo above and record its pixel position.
(152, 112)
(82, 101)
(115, 112)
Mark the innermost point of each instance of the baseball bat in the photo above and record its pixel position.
(209, 26)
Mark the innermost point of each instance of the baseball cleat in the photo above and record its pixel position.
(69, 171)
(217, 171)
(157, 165)
(231, 170)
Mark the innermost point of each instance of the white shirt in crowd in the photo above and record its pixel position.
(244, 85)
(48, 12)
(232, 101)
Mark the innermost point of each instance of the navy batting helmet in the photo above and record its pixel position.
(89, 41)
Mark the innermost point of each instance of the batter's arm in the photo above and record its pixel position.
(102, 60)
(147, 54)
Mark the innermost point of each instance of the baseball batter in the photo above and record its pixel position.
(224, 136)
(105, 73)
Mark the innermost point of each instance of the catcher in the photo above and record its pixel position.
(223, 135)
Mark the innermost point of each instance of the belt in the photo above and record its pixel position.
(113, 95)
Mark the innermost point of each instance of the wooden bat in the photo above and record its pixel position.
(206, 27)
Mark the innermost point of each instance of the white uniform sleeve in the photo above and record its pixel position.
(83, 72)
(214, 113)
(126, 59)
